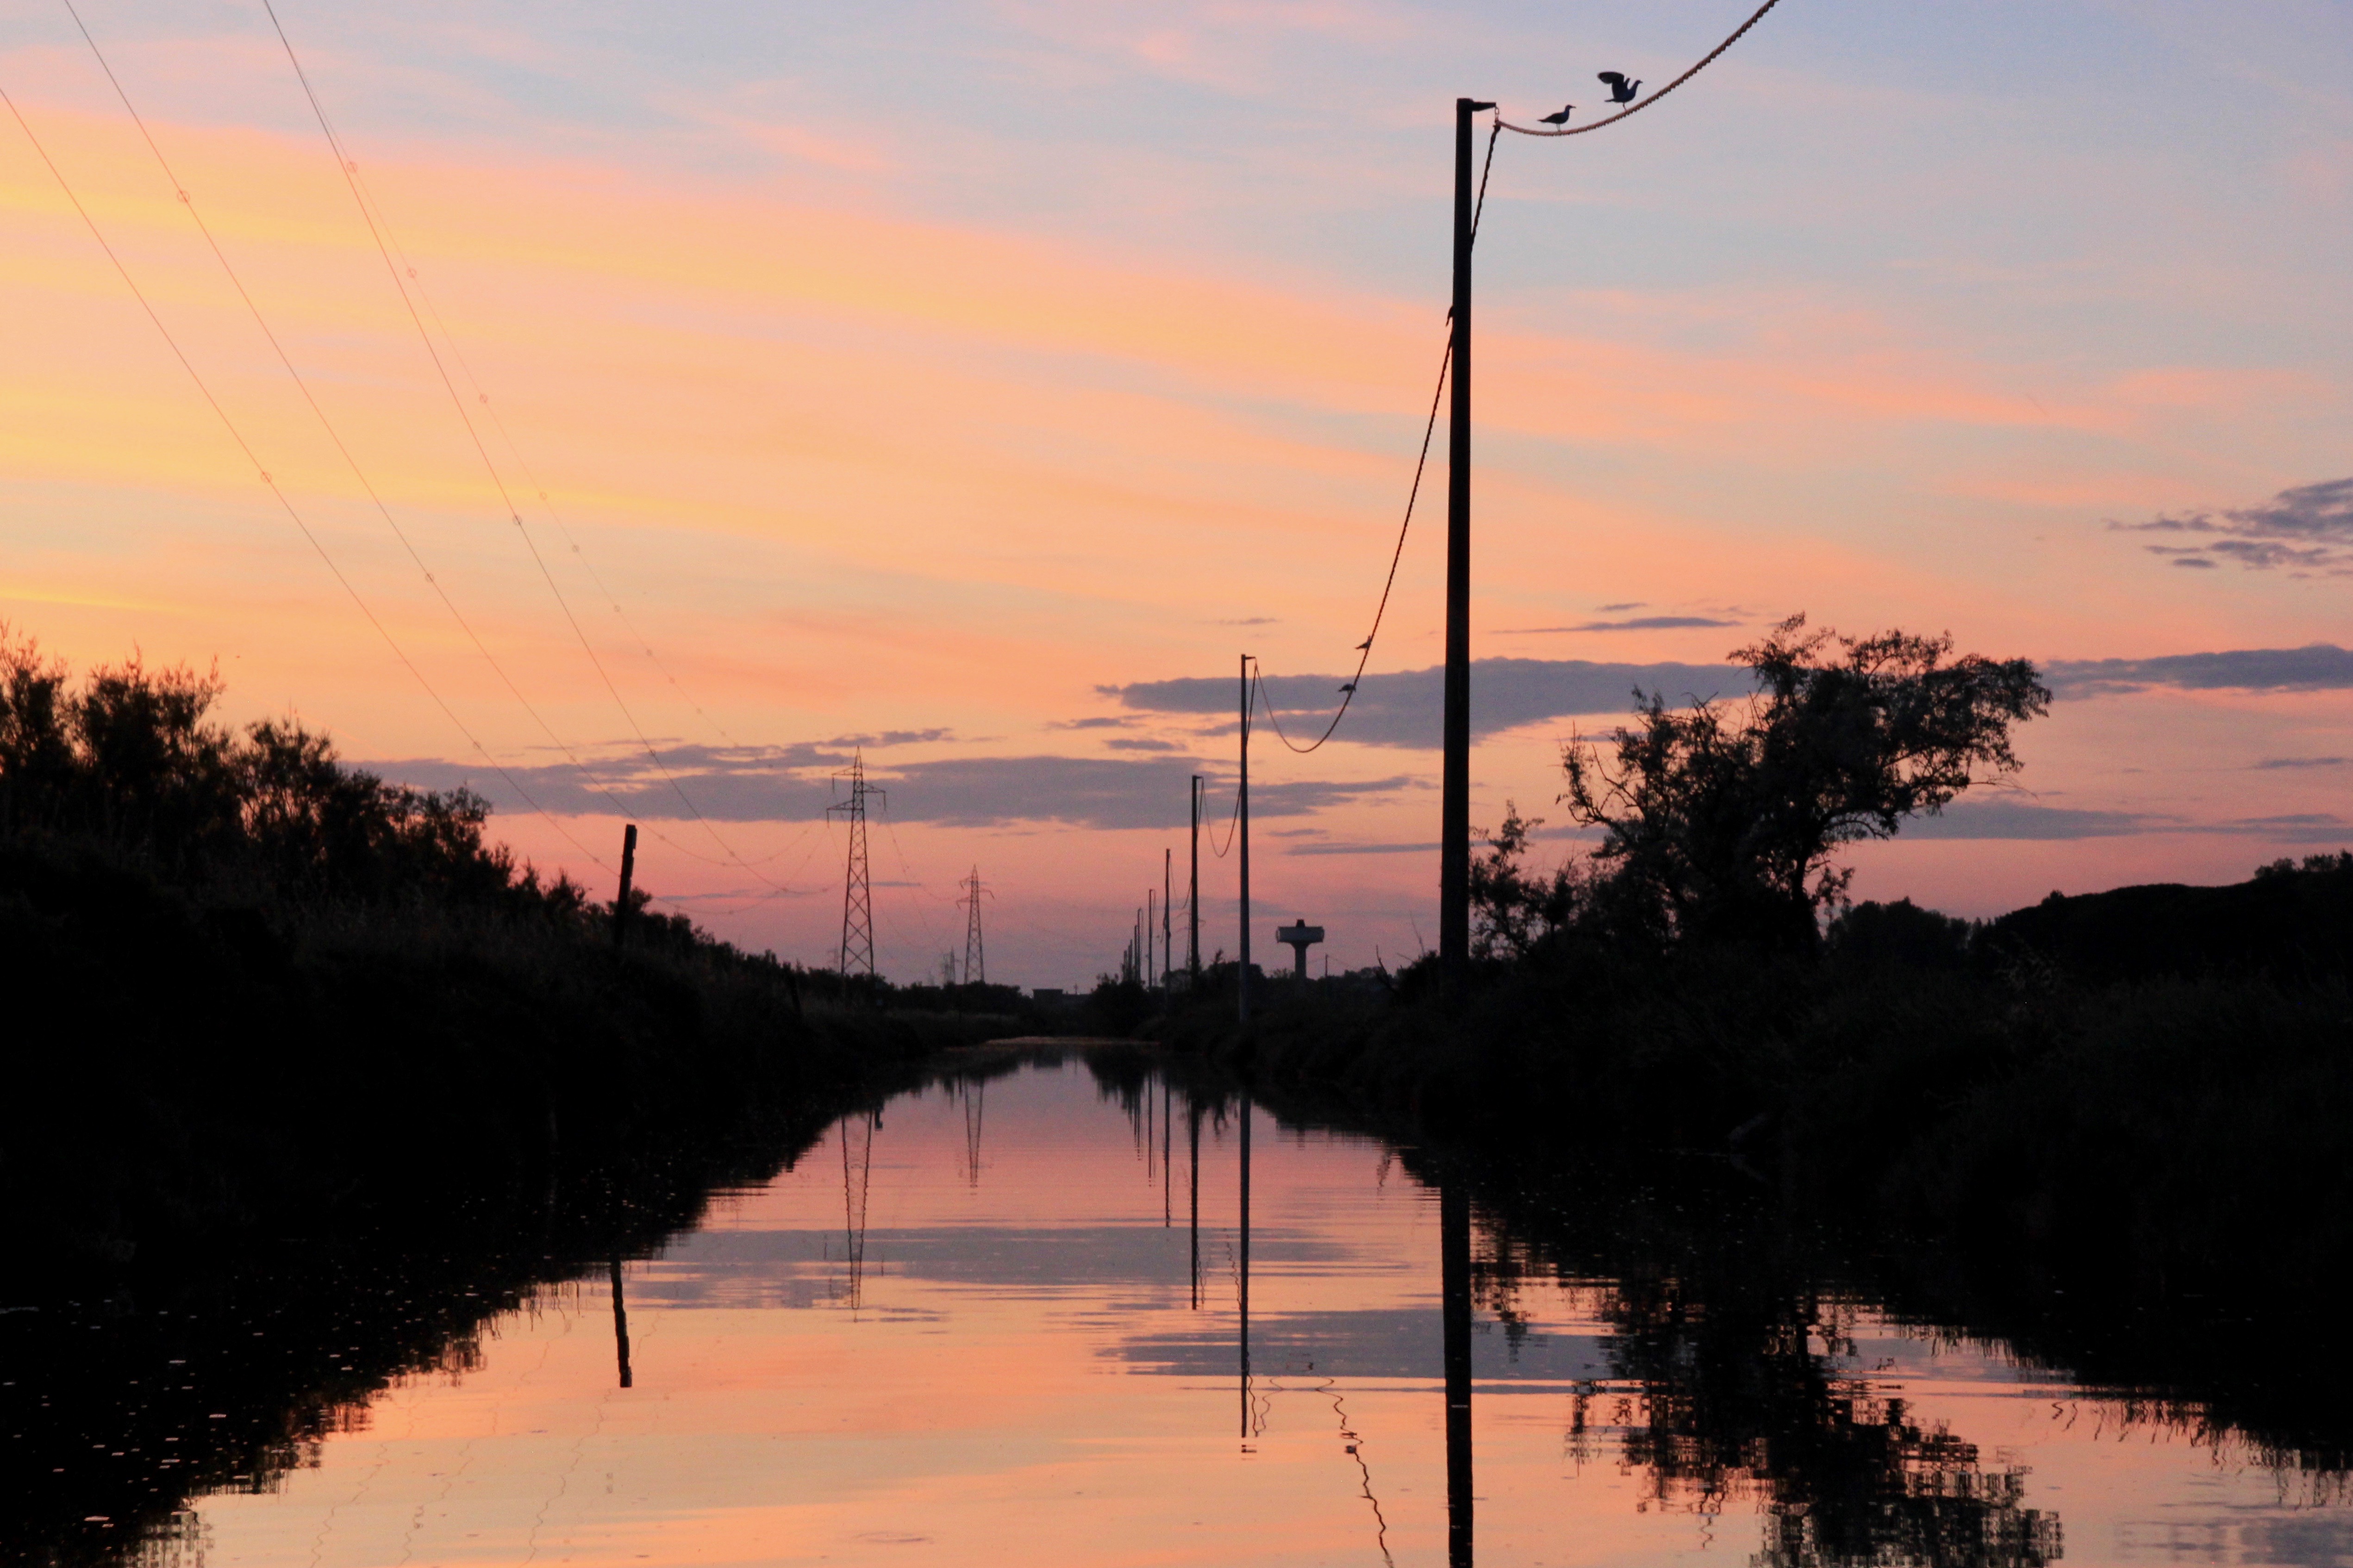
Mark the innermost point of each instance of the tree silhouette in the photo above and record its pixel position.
(1720, 821)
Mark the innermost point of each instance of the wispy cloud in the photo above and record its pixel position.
(1999, 818)
(2320, 666)
(2307, 530)
(796, 783)
(1639, 623)
(1430, 847)
(1404, 709)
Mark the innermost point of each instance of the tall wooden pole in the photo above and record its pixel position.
(1454, 809)
(1193, 894)
(1241, 810)
(1168, 886)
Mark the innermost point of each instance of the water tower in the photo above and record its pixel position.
(1299, 937)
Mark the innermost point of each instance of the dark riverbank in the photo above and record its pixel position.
(257, 1168)
(189, 1078)
(1729, 1299)
(2041, 1092)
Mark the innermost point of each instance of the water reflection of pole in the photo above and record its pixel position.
(1193, 1137)
(853, 1198)
(1454, 1289)
(1244, 1337)
(975, 1105)
(1167, 1191)
(620, 1325)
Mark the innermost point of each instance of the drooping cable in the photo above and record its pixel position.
(285, 503)
(346, 167)
(1348, 693)
(530, 478)
(1233, 819)
(1422, 463)
(1705, 60)
(334, 436)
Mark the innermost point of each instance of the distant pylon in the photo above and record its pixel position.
(857, 883)
(976, 958)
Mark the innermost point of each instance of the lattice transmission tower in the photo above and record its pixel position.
(857, 883)
(976, 957)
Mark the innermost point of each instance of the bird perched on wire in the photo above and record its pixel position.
(1621, 91)
(1561, 118)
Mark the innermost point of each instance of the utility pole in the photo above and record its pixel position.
(1167, 949)
(1193, 895)
(1241, 810)
(628, 869)
(857, 883)
(976, 957)
(1454, 806)
(1147, 939)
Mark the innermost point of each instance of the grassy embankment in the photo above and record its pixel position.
(2153, 1085)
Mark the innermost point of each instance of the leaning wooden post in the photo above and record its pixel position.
(628, 869)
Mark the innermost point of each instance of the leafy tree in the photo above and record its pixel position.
(1513, 909)
(1720, 820)
(130, 757)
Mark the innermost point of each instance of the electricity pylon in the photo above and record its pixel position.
(857, 883)
(976, 957)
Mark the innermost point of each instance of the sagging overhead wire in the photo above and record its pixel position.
(286, 504)
(1705, 60)
(1420, 465)
(1348, 693)
(349, 170)
(530, 478)
(301, 383)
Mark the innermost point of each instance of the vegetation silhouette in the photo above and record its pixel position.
(1732, 1310)
(2127, 1084)
(236, 955)
(1719, 821)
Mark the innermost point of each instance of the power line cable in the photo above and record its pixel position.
(1348, 693)
(310, 536)
(335, 437)
(349, 170)
(1429, 431)
(531, 477)
(1705, 60)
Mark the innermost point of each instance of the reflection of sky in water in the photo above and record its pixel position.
(1013, 1371)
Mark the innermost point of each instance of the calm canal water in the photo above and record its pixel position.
(1026, 1318)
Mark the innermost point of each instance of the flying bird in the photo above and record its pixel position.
(1620, 89)
(1561, 118)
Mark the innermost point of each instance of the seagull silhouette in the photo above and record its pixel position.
(1561, 118)
(1620, 89)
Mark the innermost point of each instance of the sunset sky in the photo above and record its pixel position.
(974, 381)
